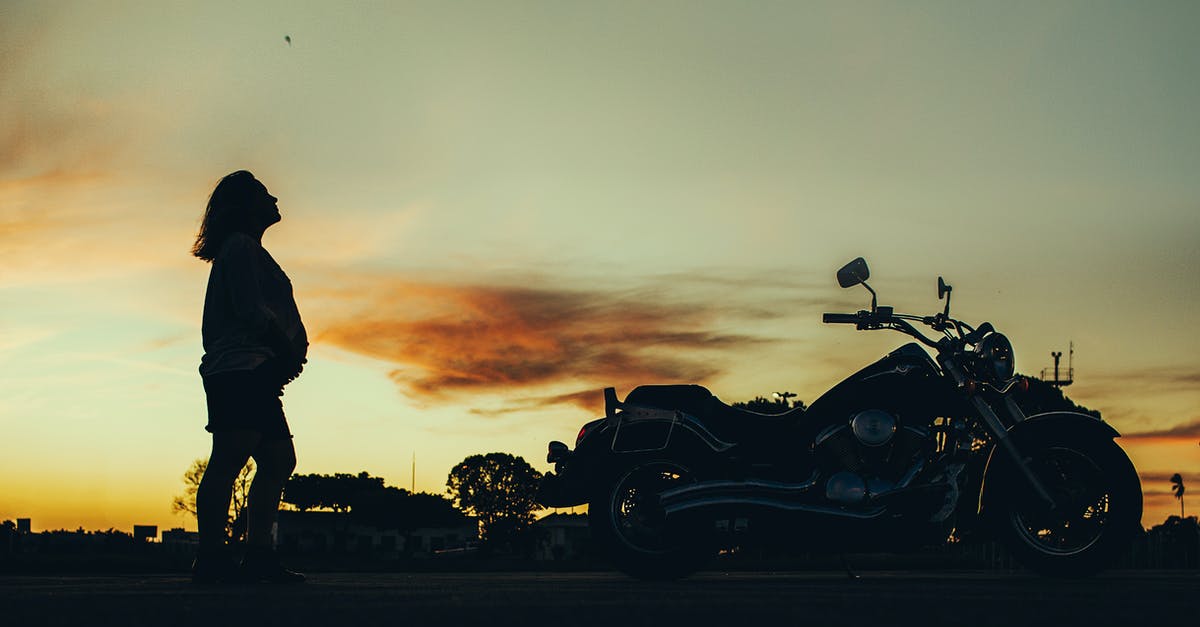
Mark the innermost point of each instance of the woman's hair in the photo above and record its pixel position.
(227, 212)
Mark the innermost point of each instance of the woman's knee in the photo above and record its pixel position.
(276, 460)
(222, 471)
(230, 451)
(286, 465)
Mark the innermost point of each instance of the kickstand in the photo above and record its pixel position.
(846, 565)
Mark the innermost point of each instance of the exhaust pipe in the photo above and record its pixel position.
(722, 488)
(714, 496)
(785, 497)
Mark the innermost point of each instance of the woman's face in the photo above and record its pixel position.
(265, 208)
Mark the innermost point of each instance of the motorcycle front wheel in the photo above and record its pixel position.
(632, 531)
(1098, 508)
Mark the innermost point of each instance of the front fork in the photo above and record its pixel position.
(999, 431)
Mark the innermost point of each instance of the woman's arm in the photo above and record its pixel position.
(242, 265)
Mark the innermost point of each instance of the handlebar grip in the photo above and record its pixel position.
(840, 318)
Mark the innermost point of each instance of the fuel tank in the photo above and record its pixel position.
(905, 381)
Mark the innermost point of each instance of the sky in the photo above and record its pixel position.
(492, 210)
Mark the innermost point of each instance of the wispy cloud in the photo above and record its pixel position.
(1160, 482)
(1144, 380)
(451, 339)
(591, 399)
(56, 147)
(1184, 431)
(1157, 506)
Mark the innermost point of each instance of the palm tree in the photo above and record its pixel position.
(1177, 488)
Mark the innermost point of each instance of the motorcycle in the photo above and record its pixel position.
(910, 451)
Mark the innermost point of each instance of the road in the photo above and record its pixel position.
(728, 599)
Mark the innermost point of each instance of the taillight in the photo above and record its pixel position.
(587, 429)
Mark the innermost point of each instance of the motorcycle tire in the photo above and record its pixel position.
(1099, 507)
(630, 529)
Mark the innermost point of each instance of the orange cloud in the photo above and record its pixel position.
(589, 399)
(455, 339)
(1145, 379)
(55, 146)
(1160, 482)
(1188, 431)
(52, 135)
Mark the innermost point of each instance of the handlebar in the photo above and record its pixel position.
(864, 319)
(840, 318)
(884, 317)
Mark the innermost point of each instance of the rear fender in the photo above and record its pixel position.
(651, 430)
(1000, 478)
(644, 429)
(633, 433)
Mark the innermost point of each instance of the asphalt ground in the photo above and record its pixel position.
(1126, 598)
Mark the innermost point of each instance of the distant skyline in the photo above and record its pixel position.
(492, 210)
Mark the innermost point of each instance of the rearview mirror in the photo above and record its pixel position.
(853, 273)
(943, 289)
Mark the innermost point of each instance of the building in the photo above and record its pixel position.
(179, 541)
(563, 537)
(332, 532)
(425, 541)
(337, 532)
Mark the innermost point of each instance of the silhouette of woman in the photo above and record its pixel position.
(254, 345)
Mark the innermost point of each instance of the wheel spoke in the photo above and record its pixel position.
(1076, 484)
(638, 518)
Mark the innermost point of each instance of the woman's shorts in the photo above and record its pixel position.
(246, 399)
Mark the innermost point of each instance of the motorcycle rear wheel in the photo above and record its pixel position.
(631, 529)
(1099, 508)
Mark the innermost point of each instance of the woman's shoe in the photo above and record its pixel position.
(262, 566)
(214, 566)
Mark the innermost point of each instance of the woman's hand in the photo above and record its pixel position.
(293, 369)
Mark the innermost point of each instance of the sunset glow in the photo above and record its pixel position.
(493, 210)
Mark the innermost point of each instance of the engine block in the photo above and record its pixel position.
(874, 445)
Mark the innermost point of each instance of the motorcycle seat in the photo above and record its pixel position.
(731, 424)
(689, 399)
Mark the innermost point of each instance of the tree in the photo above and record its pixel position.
(303, 492)
(1042, 397)
(500, 489)
(338, 491)
(396, 508)
(1177, 490)
(777, 405)
(432, 510)
(237, 504)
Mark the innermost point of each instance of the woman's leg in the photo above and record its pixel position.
(230, 451)
(276, 459)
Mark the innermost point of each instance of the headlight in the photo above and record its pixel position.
(995, 358)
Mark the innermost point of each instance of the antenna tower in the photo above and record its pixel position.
(1055, 376)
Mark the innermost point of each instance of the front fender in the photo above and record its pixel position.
(1050, 426)
(1065, 420)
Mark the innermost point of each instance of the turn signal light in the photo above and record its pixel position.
(557, 451)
